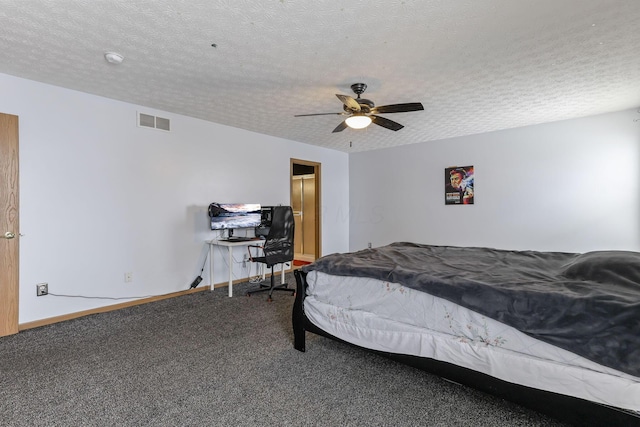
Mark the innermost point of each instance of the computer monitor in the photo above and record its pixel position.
(230, 216)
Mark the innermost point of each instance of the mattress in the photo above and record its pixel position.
(390, 317)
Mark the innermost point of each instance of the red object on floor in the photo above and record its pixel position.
(298, 262)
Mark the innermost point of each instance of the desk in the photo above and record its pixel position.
(230, 245)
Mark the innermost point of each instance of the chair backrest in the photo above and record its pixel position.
(278, 247)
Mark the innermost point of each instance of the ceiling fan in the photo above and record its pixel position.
(362, 112)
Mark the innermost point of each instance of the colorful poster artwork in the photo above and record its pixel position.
(458, 185)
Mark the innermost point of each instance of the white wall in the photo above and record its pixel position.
(564, 186)
(100, 196)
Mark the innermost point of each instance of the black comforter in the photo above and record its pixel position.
(588, 303)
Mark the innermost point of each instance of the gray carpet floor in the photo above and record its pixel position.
(208, 360)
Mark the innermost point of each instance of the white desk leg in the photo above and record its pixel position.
(211, 267)
(282, 273)
(230, 271)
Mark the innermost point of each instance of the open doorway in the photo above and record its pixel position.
(305, 201)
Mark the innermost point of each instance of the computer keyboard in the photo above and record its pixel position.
(240, 239)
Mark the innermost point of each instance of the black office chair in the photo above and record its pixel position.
(277, 248)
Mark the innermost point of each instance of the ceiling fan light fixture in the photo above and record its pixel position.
(358, 121)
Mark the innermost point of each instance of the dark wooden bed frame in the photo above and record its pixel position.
(564, 408)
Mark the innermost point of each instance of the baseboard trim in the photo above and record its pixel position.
(70, 316)
(106, 309)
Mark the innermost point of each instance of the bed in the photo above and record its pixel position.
(553, 331)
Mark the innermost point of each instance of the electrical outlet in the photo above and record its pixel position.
(128, 277)
(42, 289)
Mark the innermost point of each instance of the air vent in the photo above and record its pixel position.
(162, 124)
(146, 120)
(149, 121)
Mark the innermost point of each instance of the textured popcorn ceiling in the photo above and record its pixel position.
(476, 65)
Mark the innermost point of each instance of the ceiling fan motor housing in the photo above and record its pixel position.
(366, 105)
(358, 88)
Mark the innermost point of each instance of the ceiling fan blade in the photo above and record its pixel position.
(342, 126)
(386, 123)
(319, 114)
(398, 108)
(349, 102)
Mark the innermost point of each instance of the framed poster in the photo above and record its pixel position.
(458, 185)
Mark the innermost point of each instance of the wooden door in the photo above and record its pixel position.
(9, 230)
(305, 201)
(309, 217)
(296, 205)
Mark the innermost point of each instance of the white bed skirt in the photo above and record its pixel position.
(389, 317)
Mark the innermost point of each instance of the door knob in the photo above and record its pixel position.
(9, 235)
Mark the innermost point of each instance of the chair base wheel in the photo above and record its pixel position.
(265, 288)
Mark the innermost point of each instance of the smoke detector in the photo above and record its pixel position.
(113, 57)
